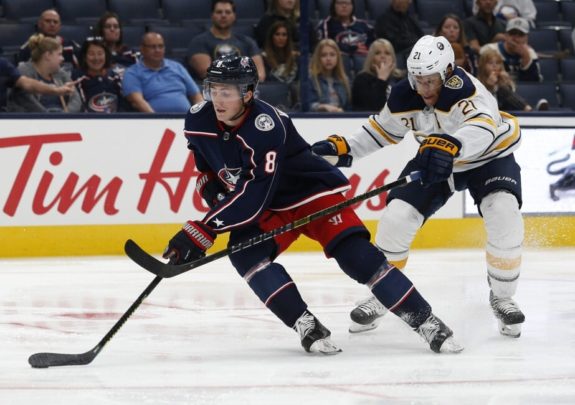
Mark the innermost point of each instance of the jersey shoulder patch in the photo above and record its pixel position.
(403, 98)
(458, 87)
(197, 107)
(264, 122)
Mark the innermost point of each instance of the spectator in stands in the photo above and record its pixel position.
(352, 35)
(10, 77)
(492, 74)
(508, 9)
(451, 27)
(158, 84)
(399, 27)
(49, 24)
(281, 59)
(519, 58)
(373, 83)
(483, 27)
(99, 86)
(45, 66)
(220, 40)
(283, 10)
(109, 28)
(330, 90)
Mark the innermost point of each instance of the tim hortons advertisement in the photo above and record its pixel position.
(135, 171)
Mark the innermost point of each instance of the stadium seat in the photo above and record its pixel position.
(533, 92)
(567, 93)
(375, 8)
(549, 69)
(566, 41)
(249, 9)
(544, 40)
(14, 35)
(568, 69)
(77, 33)
(245, 27)
(136, 11)
(433, 12)
(177, 38)
(547, 13)
(274, 93)
(132, 35)
(177, 10)
(568, 12)
(25, 10)
(72, 11)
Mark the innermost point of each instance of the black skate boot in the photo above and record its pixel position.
(314, 336)
(366, 315)
(438, 335)
(508, 315)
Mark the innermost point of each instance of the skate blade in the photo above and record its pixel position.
(324, 346)
(355, 327)
(451, 346)
(513, 330)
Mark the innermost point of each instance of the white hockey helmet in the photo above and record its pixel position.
(430, 55)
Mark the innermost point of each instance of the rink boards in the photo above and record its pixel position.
(84, 186)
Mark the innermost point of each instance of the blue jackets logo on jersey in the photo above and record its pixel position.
(229, 177)
(264, 122)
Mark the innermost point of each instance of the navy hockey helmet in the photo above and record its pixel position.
(238, 70)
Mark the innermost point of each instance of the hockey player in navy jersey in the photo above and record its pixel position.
(466, 143)
(259, 174)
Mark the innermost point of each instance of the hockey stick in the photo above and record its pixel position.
(44, 360)
(161, 269)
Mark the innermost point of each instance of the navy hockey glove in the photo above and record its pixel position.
(335, 150)
(435, 158)
(210, 189)
(190, 243)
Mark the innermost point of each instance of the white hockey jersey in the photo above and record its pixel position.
(465, 110)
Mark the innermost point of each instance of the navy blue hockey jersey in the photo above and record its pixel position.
(264, 163)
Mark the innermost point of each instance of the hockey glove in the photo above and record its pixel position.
(335, 150)
(210, 189)
(190, 243)
(435, 158)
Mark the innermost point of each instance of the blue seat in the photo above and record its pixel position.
(177, 10)
(74, 32)
(568, 69)
(72, 11)
(177, 38)
(549, 69)
(132, 35)
(533, 92)
(375, 8)
(249, 9)
(14, 35)
(547, 13)
(544, 40)
(566, 41)
(567, 93)
(568, 12)
(433, 11)
(25, 10)
(136, 11)
(245, 27)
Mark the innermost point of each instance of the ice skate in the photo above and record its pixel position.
(508, 315)
(438, 335)
(315, 338)
(367, 315)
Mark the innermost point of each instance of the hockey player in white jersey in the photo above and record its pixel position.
(465, 143)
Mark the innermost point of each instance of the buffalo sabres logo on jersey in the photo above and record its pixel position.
(197, 107)
(230, 177)
(264, 122)
(454, 82)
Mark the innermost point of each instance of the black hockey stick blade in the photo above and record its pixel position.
(45, 360)
(166, 270)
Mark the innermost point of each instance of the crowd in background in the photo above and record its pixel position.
(353, 61)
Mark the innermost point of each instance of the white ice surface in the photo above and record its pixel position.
(204, 338)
